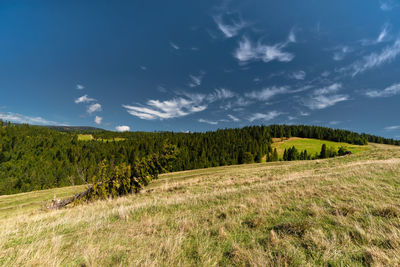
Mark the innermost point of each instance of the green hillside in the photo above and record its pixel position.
(341, 211)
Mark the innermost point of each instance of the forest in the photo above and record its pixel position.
(34, 158)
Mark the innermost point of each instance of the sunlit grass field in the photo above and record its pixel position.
(313, 146)
(89, 137)
(342, 211)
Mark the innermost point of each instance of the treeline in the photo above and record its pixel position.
(33, 158)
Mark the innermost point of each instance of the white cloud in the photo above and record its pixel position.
(220, 94)
(305, 114)
(143, 67)
(267, 93)
(233, 118)
(387, 92)
(122, 128)
(248, 51)
(80, 87)
(334, 122)
(229, 30)
(174, 108)
(265, 117)
(373, 60)
(174, 46)
(19, 118)
(325, 97)
(208, 122)
(84, 99)
(298, 75)
(387, 5)
(196, 79)
(292, 37)
(98, 120)
(383, 34)
(341, 52)
(391, 128)
(328, 89)
(322, 101)
(94, 108)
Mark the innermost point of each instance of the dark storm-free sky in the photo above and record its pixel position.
(201, 65)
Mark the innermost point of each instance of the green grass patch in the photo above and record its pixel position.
(89, 137)
(313, 146)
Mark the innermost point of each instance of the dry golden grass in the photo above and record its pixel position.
(341, 211)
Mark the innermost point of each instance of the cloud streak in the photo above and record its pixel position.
(208, 121)
(374, 60)
(325, 97)
(84, 99)
(229, 30)
(387, 92)
(391, 128)
(267, 93)
(19, 118)
(265, 117)
(249, 51)
(178, 106)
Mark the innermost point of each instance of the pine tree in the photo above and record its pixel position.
(323, 154)
(275, 156)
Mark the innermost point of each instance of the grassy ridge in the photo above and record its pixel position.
(313, 146)
(339, 211)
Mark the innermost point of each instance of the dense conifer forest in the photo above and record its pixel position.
(33, 158)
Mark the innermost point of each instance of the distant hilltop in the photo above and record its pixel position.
(74, 128)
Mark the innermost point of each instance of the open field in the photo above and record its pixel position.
(341, 211)
(89, 137)
(313, 146)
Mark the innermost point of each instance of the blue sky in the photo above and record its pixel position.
(201, 65)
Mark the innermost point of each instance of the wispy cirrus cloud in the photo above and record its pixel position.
(387, 55)
(249, 51)
(19, 118)
(387, 92)
(298, 75)
(383, 36)
(84, 99)
(80, 87)
(392, 128)
(265, 116)
(387, 5)
(341, 52)
(174, 46)
(195, 80)
(229, 30)
(177, 107)
(267, 93)
(174, 108)
(220, 94)
(94, 108)
(325, 97)
(208, 121)
(233, 118)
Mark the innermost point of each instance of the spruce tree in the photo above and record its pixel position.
(323, 154)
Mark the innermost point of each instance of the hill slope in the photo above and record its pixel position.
(336, 211)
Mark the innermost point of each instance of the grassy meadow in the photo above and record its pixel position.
(313, 146)
(342, 211)
(89, 137)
